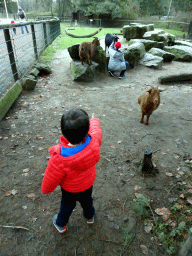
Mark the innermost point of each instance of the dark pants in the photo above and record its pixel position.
(123, 71)
(68, 203)
(22, 31)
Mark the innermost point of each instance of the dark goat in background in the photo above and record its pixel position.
(109, 39)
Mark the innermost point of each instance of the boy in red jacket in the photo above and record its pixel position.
(72, 165)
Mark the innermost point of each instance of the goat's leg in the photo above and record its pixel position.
(147, 120)
(81, 59)
(88, 61)
(142, 116)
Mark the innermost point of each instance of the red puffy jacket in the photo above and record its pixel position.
(74, 173)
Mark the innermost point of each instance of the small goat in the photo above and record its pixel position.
(87, 50)
(149, 101)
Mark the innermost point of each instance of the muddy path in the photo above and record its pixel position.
(33, 125)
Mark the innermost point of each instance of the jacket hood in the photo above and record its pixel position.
(77, 158)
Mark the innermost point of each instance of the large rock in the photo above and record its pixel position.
(44, 69)
(167, 56)
(185, 43)
(182, 53)
(151, 61)
(135, 31)
(99, 57)
(150, 27)
(29, 83)
(147, 43)
(34, 72)
(74, 51)
(160, 36)
(134, 53)
(160, 45)
(83, 73)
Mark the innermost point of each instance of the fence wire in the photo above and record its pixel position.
(20, 46)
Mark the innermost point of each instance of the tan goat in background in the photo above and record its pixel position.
(149, 101)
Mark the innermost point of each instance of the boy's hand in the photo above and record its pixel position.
(93, 115)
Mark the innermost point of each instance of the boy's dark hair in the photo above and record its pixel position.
(75, 125)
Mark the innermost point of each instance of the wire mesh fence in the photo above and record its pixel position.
(20, 45)
(119, 23)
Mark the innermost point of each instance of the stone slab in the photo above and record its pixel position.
(9, 98)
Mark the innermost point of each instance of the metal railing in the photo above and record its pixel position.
(21, 45)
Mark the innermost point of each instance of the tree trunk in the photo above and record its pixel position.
(51, 8)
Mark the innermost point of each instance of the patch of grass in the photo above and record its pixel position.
(47, 55)
(174, 32)
(128, 238)
(169, 236)
(141, 206)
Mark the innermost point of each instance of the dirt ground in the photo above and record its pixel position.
(33, 125)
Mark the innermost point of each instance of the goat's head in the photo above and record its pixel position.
(115, 39)
(96, 41)
(154, 94)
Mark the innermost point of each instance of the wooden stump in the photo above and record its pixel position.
(147, 166)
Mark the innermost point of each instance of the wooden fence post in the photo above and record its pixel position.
(45, 34)
(34, 41)
(11, 53)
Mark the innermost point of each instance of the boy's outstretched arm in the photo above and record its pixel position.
(95, 129)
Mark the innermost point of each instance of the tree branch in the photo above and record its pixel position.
(85, 36)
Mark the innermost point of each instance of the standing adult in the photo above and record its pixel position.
(22, 16)
(117, 61)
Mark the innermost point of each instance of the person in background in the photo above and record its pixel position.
(14, 29)
(22, 16)
(117, 61)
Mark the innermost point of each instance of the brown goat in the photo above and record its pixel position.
(149, 101)
(87, 50)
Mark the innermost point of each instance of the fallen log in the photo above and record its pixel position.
(85, 36)
(175, 78)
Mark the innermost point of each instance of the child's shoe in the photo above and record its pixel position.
(61, 230)
(90, 221)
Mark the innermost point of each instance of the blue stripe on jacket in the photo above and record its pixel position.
(72, 151)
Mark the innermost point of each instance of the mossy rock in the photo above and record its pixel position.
(134, 53)
(83, 73)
